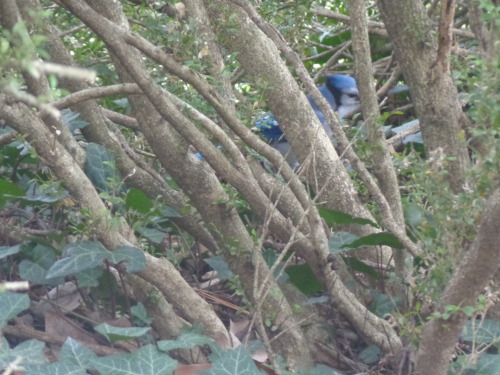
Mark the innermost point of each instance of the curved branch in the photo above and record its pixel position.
(96, 93)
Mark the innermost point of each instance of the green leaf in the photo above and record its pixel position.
(376, 239)
(270, 257)
(231, 362)
(6, 251)
(357, 265)
(141, 314)
(152, 234)
(220, 265)
(370, 354)
(9, 191)
(80, 256)
(31, 351)
(303, 278)
(100, 168)
(488, 364)
(339, 240)
(46, 194)
(121, 333)
(383, 304)
(469, 310)
(323, 370)
(169, 212)
(54, 368)
(147, 360)
(131, 257)
(89, 277)
(481, 332)
(414, 216)
(74, 353)
(73, 120)
(332, 217)
(35, 273)
(43, 255)
(185, 341)
(12, 304)
(138, 201)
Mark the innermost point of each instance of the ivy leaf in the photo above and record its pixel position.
(481, 332)
(34, 272)
(152, 234)
(488, 364)
(6, 251)
(323, 370)
(230, 362)
(43, 255)
(46, 194)
(73, 120)
(147, 360)
(121, 333)
(141, 314)
(54, 368)
(370, 354)
(72, 352)
(383, 304)
(12, 304)
(79, 256)
(220, 265)
(89, 277)
(31, 351)
(132, 258)
(339, 241)
(185, 341)
(99, 167)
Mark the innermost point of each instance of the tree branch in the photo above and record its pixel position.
(374, 27)
(445, 34)
(382, 161)
(474, 273)
(158, 272)
(96, 93)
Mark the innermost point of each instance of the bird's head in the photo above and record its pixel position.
(346, 94)
(267, 126)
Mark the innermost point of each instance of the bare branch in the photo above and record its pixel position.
(120, 119)
(64, 71)
(375, 27)
(445, 34)
(96, 93)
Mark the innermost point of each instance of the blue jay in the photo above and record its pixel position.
(341, 93)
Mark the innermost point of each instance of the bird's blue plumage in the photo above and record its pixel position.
(340, 82)
(341, 93)
(268, 127)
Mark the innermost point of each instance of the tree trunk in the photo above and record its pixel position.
(440, 336)
(433, 92)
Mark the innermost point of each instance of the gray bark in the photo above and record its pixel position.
(431, 87)
(480, 263)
